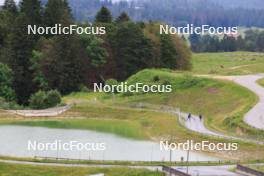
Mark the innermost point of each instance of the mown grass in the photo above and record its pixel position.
(28, 170)
(235, 63)
(261, 82)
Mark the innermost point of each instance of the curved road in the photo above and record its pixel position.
(255, 117)
(197, 125)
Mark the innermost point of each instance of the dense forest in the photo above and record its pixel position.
(253, 40)
(35, 67)
(246, 13)
(178, 12)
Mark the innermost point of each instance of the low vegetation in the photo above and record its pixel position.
(222, 103)
(22, 170)
(228, 63)
(261, 82)
(259, 168)
(43, 100)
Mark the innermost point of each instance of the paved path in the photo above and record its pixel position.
(193, 124)
(41, 113)
(255, 117)
(197, 125)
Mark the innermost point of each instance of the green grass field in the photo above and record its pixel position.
(229, 63)
(27, 170)
(261, 82)
(222, 103)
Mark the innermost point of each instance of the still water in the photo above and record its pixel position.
(14, 142)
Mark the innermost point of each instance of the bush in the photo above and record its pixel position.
(53, 98)
(156, 78)
(42, 100)
(83, 88)
(9, 105)
(38, 100)
(111, 82)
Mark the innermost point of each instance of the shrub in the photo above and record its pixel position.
(42, 100)
(156, 78)
(38, 100)
(111, 82)
(53, 98)
(83, 88)
(9, 105)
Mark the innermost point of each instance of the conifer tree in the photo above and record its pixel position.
(21, 46)
(62, 64)
(56, 12)
(32, 11)
(168, 52)
(123, 17)
(132, 50)
(10, 6)
(103, 16)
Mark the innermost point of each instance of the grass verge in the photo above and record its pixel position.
(259, 168)
(261, 82)
(29, 170)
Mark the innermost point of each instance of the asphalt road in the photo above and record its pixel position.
(255, 117)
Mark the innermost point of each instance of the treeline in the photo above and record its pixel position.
(36, 64)
(179, 12)
(253, 40)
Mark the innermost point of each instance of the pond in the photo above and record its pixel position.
(15, 142)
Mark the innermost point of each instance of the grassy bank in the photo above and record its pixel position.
(28, 170)
(132, 163)
(127, 163)
(222, 104)
(229, 63)
(261, 82)
(259, 168)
